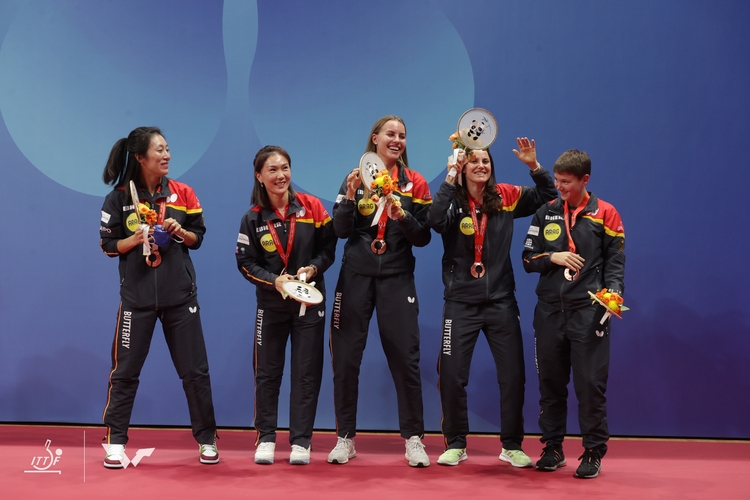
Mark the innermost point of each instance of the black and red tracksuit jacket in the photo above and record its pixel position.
(173, 282)
(353, 221)
(448, 218)
(259, 261)
(599, 238)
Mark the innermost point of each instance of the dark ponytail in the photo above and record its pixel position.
(122, 165)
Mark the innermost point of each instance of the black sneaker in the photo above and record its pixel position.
(552, 458)
(591, 462)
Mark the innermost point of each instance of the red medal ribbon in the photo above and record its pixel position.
(162, 212)
(284, 254)
(378, 244)
(570, 221)
(480, 228)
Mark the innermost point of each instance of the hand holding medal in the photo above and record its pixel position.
(147, 218)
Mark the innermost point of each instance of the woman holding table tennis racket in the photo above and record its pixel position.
(151, 222)
(286, 238)
(377, 273)
(474, 214)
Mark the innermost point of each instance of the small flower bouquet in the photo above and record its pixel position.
(146, 215)
(382, 186)
(611, 301)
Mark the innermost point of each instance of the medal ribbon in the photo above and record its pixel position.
(381, 224)
(162, 212)
(284, 254)
(570, 220)
(479, 230)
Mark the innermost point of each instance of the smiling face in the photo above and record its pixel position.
(571, 188)
(390, 142)
(479, 168)
(275, 175)
(156, 162)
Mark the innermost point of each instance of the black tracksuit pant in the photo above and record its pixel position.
(575, 339)
(272, 330)
(184, 336)
(461, 325)
(395, 299)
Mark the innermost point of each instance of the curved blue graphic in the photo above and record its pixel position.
(405, 60)
(69, 88)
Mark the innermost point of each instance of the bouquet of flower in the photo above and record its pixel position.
(611, 300)
(146, 215)
(382, 186)
(457, 144)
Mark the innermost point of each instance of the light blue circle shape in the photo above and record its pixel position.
(320, 99)
(76, 78)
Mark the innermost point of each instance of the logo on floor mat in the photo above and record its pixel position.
(42, 463)
(125, 461)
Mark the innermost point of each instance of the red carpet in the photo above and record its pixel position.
(633, 469)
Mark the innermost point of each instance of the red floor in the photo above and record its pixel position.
(633, 469)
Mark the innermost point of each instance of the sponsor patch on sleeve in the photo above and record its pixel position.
(533, 230)
(105, 217)
(528, 243)
(339, 198)
(243, 239)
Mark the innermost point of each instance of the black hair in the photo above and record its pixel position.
(260, 195)
(122, 165)
(490, 199)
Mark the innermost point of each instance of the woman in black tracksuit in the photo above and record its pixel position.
(377, 273)
(475, 218)
(284, 234)
(161, 286)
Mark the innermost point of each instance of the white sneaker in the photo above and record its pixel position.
(264, 453)
(299, 455)
(209, 454)
(342, 452)
(114, 456)
(516, 458)
(415, 453)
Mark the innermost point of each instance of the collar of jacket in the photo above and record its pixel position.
(293, 208)
(557, 205)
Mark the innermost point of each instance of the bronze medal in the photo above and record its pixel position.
(477, 269)
(378, 246)
(153, 260)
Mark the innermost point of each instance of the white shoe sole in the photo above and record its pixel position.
(299, 461)
(445, 462)
(264, 461)
(505, 458)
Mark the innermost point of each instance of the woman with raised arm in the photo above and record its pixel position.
(474, 214)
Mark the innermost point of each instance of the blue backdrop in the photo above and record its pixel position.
(655, 91)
